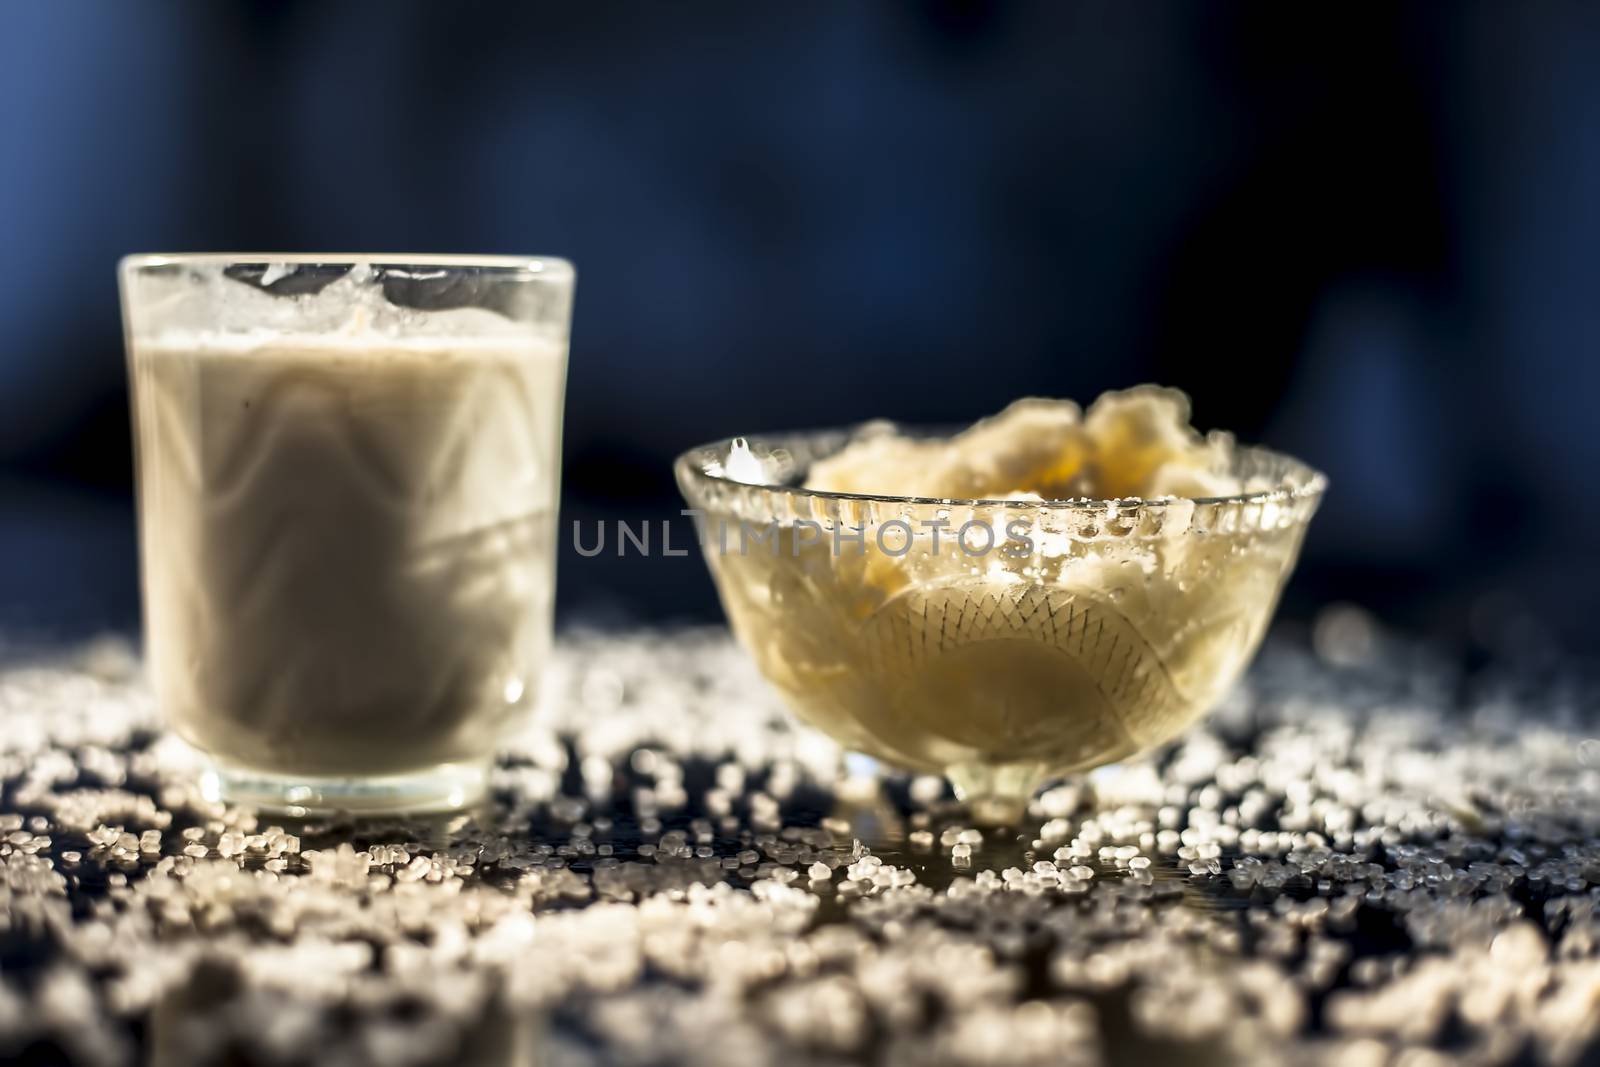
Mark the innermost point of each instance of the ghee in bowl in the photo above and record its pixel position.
(1046, 592)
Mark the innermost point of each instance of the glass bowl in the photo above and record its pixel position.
(999, 643)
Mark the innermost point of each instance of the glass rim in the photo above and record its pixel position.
(1311, 484)
(553, 267)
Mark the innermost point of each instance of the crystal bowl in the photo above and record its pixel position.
(999, 643)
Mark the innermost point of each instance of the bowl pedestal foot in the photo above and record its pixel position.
(997, 794)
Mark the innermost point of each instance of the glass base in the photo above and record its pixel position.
(444, 787)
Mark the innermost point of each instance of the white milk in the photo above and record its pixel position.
(347, 541)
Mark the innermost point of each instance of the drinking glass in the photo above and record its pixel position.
(347, 480)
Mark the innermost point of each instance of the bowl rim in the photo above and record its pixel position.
(1312, 483)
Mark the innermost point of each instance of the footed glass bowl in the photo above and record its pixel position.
(1000, 643)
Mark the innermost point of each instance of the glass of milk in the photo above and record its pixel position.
(348, 471)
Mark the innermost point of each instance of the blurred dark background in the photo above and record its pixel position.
(1369, 236)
